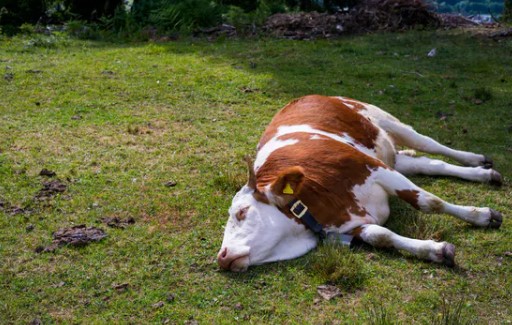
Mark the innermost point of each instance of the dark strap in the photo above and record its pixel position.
(301, 211)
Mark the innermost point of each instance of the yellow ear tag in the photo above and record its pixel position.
(288, 189)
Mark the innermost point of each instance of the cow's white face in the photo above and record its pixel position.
(258, 233)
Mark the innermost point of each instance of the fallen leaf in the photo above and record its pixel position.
(121, 287)
(158, 304)
(328, 292)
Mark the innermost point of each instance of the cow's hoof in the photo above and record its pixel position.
(496, 178)
(449, 255)
(496, 219)
(487, 163)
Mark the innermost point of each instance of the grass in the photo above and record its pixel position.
(118, 121)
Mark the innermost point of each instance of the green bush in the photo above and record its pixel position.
(243, 21)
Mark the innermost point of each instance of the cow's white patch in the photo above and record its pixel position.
(304, 128)
(270, 147)
(373, 198)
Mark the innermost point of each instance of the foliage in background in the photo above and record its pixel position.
(142, 19)
(507, 11)
(13, 13)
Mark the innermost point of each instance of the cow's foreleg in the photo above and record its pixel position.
(407, 136)
(430, 250)
(422, 165)
(397, 184)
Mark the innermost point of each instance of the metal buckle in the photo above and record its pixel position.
(303, 210)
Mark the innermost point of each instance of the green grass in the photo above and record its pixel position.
(118, 121)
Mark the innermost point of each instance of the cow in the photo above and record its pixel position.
(327, 165)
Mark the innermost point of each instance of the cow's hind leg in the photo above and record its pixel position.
(430, 250)
(406, 136)
(397, 184)
(408, 165)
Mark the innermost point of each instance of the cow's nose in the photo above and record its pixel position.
(234, 259)
(223, 259)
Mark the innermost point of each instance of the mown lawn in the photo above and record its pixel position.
(116, 122)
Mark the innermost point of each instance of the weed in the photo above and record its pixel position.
(377, 314)
(452, 314)
(337, 264)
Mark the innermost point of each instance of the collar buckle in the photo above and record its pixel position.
(299, 209)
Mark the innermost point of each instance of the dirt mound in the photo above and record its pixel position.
(305, 25)
(370, 15)
(392, 15)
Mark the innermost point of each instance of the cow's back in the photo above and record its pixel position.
(332, 117)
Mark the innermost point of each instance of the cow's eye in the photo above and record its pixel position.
(240, 215)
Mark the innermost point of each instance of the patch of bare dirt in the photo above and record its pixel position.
(47, 172)
(80, 235)
(50, 189)
(13, 209)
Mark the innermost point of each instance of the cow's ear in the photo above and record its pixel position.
(251, 182)
(289, 181)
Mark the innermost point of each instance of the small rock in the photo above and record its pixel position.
(9, 76)
(170, 297)
(328, 292)
(76, 117)
(29, 227)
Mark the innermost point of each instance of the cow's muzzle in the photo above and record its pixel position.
(232, 260)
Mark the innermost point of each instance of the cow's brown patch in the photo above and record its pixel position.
(331, 169)
(327, 114)
(409, 196)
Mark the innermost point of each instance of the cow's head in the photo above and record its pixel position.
(257, 231)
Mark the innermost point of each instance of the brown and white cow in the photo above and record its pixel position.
(337, 157)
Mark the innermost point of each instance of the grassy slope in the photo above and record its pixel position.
(189, 111)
